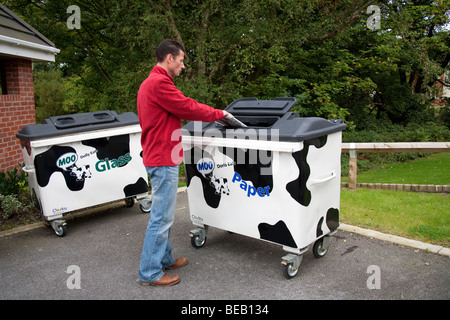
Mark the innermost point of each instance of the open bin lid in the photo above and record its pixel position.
(77, 123)
(254, 107)
(265, 119)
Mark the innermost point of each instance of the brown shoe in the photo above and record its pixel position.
(166, 280)
(179, 262)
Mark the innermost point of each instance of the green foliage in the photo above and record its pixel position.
(12, 185)
(384, 131)
(11, 182)
(320, 52)
(432, 169)
(11, 205)
(49, 93)
(443, 113)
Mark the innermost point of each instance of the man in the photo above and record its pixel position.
(161, 106)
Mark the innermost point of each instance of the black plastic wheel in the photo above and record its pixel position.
(129, 202)
(144, 209)
(289, 271)
(61, 230)
(196, 242)
(318, 250)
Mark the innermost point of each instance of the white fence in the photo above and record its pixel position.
(353, 148)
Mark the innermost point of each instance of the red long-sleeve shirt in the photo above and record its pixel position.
(161, 106)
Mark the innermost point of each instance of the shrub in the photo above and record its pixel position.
(11, 182)
(14, 193)
(11, 205)
(388, 132)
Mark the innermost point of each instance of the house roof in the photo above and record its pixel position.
(19, 39)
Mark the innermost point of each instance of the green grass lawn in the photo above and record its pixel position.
(433, 169)
(414, 215)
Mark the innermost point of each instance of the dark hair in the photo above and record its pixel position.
(168, 46)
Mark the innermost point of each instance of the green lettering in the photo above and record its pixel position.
(100, 166)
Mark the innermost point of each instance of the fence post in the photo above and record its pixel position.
(353, 166)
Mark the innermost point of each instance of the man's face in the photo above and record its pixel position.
(176, 64)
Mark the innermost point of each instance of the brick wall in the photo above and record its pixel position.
(16, 110)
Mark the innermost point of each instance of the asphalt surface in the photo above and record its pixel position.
(105, 249)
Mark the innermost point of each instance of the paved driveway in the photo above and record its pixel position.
(99, 259)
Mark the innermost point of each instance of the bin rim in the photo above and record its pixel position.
(267, 145)
(87, 135)
(295, 130)
(51, 129)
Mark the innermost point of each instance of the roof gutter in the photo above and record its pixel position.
(28, 44)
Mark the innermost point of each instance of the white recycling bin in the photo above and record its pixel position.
(276, 179)
(81, 160)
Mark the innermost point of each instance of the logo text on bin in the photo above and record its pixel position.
(205, 165)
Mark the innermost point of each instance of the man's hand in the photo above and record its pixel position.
(225, 113)
(230, 120)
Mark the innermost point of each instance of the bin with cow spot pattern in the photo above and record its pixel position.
(276, 178)
(82, 160)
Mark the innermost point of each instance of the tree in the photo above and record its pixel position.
(49, 92)
(405, 58)
(319, 51)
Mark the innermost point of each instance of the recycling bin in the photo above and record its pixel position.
(275, 178)
(81, 160)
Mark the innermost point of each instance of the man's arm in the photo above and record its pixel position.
(174, 101)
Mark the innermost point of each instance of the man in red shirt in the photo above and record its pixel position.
(161, 106)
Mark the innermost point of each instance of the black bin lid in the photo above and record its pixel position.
(83, 119)
(77, 123)
(254, 107)
(270, 117)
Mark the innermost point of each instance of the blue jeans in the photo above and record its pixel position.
(157, 251)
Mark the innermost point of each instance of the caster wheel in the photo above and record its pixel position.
(291, 265)
(289, 271)
(197, 242)
(61, 230)
(129, 202)
(319, 250)
(145, 209)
